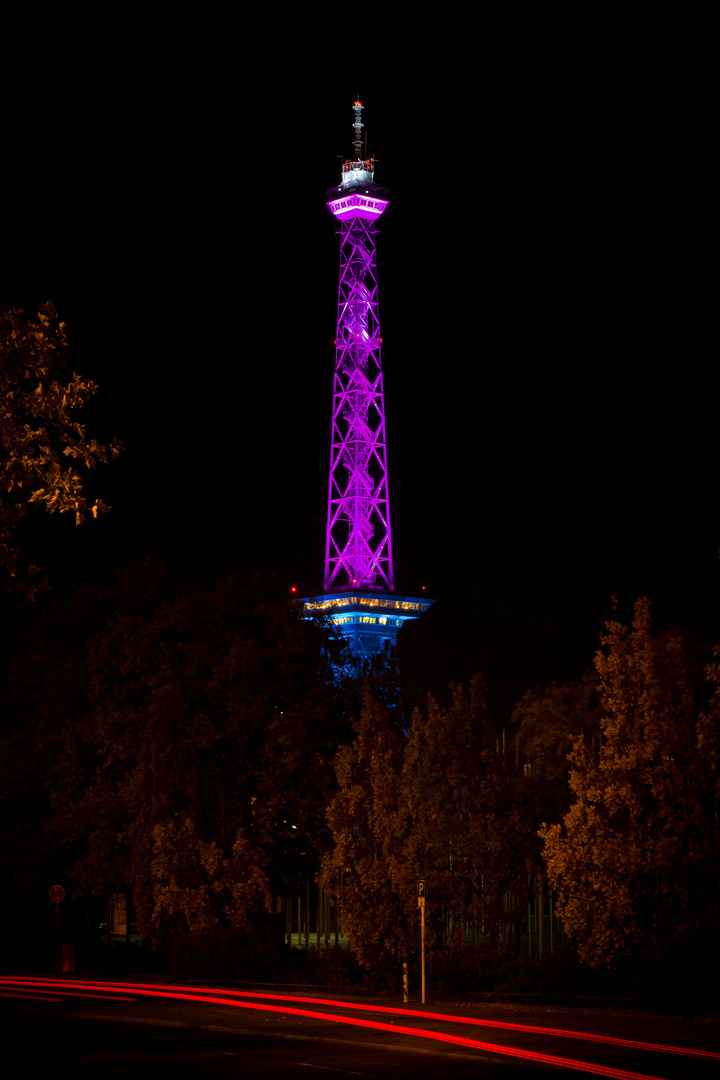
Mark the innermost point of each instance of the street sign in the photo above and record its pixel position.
(57, 894)
(421, 892)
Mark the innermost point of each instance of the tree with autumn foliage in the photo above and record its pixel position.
(368, 824)
(42, 440)
(440, 802)
(472, 837)
(172, 743)
(546, 723)
(635, 859)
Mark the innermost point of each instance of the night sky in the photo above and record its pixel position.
(550, 392)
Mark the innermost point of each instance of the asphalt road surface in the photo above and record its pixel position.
(123, 1029)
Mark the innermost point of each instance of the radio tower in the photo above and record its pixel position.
(359, 584)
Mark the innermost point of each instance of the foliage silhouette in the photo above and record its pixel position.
(40, 435)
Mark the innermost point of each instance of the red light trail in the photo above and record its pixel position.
(229, 997)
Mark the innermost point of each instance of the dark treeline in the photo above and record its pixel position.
(192, 748)
(169, 743)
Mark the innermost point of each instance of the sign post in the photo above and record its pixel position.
(421, 905)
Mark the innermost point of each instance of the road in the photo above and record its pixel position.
(82, 1028)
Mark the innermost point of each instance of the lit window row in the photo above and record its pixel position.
(363, 601)
(400, 605)
(354, 620)
(371, 206)
(323, 605)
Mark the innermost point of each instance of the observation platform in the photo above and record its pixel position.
(369, 620)
(358, 195)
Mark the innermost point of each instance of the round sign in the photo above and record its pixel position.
(56, 894)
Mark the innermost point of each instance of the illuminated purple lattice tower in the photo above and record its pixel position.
(359, 583)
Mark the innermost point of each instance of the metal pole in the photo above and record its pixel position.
(422, 950)
(405, 983)
(307, 913)
(319, 916)
(326, 919)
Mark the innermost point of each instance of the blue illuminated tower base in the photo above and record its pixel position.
(369, 621)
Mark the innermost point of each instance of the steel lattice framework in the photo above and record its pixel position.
(359, 547)
(358, 550)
